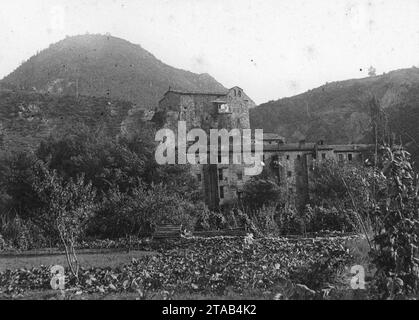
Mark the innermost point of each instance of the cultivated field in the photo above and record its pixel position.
(196, 268)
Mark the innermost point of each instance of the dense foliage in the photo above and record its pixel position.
(261, 191)
(396, 229)
(129, 192)
(350, 186)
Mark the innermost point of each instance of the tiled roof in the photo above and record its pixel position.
(207, 93)
(272, 136)
(350, 147)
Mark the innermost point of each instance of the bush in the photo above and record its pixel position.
(18, 172)
(68, 205)
(263, 220)
(209, 220)
(138, 213)
(289, 221)
(16, 232)
(3, 244)
(396, 229)
(259, 192)
(352, 186)
(318, 219)
(323, 271)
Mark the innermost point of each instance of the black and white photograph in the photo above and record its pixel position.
(209, 155)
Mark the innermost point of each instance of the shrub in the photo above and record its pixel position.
(67, 209)
(18, 172)
(289, 221)
(16, 232)
(138, 213)
(352, 186)
(263, 220)
(396, 228)
(209, 220)
(328, 219)
(259, 192)
(3, 244)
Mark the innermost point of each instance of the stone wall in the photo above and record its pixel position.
(202, 111)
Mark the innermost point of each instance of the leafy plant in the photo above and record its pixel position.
(138, 212)
(396, 226)
(259, 192)
(329, 219)
(68, 207)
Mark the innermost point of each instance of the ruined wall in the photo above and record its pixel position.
(239, 108)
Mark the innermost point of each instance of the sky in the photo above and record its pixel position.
(270, 48)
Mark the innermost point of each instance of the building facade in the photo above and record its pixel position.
(289, 164)
(292, 163)
(221, 183)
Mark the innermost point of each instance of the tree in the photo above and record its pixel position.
(17, 175)
(68, 205)
(372, 72)
(138, 212)
(106, 161)
(349, 186)
(259, 192)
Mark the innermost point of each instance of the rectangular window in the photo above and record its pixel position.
(221, 192)
(198, 176)
(288, 156)
(323, 156)
(220, 175)
(239, 159)
(239, 175)
(350, 156)
(340, 157)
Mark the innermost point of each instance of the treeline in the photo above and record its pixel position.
(111, 187)
(116, 181)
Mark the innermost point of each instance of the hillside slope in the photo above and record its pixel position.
(105, 66)
(338, 112)
(28, 117)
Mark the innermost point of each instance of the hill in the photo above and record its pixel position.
(338, 112)
(28, 117)
(104, 66)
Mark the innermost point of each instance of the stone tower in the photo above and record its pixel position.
(209, 110)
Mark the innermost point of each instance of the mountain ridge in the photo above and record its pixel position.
(105, 66)
(338, 112)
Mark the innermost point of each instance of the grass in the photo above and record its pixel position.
(57, 295)
(87, 259)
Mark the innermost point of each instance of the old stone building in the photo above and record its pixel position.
(289, 163)
(221, 183)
